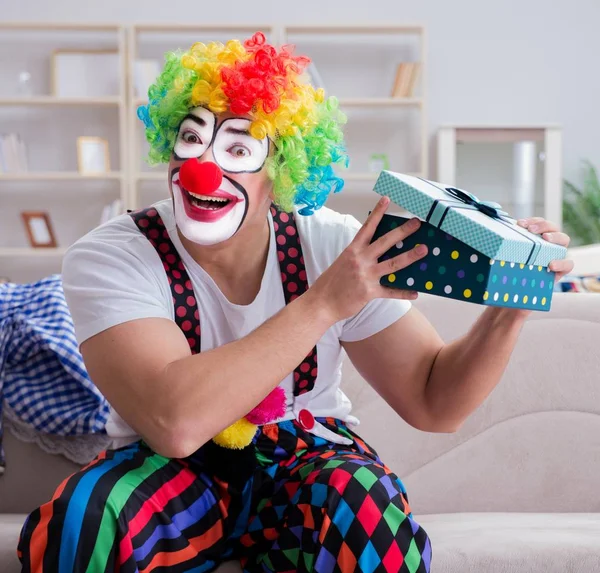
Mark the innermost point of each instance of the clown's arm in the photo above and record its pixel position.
(436, 386)
(177, 401)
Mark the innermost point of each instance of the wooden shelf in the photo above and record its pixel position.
(6, 252)
(51, 100)
(379, 102)
(370, 29)
(202, 27)
(58, 26)
(58, 176)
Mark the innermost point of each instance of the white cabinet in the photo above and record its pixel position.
(519, 167)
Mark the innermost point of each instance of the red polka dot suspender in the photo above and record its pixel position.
(293, 278)
(295, 283)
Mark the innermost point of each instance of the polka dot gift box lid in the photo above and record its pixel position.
(475, 253)
(483, 226)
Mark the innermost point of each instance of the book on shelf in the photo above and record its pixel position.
(407, 74)
(13, 153)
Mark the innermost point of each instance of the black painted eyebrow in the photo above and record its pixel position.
(236, 131)
(201, 122)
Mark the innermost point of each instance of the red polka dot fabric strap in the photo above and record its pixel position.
(151, 225)
(293, 279)
(295, 283)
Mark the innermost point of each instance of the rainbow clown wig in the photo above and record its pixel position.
(270, 87)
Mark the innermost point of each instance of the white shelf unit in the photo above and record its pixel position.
(479, 159)
(49, 125)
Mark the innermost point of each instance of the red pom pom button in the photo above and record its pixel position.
(201, 178)
(306, 419)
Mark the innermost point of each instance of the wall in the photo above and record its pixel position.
(516, 61)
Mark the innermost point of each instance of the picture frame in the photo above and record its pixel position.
(85, 73)
(39, 229)
(92, 155)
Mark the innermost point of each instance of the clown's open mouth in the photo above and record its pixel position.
(207, 207)
(210, 203)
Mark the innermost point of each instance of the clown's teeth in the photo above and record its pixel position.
(208, 198)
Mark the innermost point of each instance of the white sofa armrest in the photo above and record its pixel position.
(586, 259)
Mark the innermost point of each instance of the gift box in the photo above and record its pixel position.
(476, 252)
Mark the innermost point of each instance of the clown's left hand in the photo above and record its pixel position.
(551, 233)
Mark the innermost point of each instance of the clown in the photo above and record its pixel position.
(216, 322)
(248, 118)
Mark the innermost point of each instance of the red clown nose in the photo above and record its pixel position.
(200, 178)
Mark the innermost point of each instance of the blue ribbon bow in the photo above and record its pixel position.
(441, 207)
(489, 208)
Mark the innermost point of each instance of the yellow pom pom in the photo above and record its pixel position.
(236, 436)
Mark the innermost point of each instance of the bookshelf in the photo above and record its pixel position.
(378, 122)
(49, 125)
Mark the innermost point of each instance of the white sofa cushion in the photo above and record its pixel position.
(462, 543)
(513, 542)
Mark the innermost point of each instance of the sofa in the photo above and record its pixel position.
(516, 489)
(586, 258)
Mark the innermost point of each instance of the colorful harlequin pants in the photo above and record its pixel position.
(311, 505)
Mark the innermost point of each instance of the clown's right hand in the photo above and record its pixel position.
(353, 279)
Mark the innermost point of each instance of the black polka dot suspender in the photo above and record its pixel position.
(291, 265)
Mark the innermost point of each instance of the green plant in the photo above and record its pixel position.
(581, 208)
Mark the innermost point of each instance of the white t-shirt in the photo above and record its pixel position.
(113, 275)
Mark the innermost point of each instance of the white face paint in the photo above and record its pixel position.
(211, 220)
(195, 133)
(213, 216)
(235, 150)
